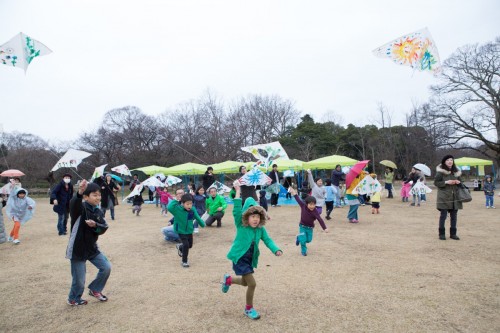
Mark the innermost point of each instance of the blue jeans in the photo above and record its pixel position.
(337, 196)
(170, 234)
(305, 236)
(78, 271)
(489, 201)
(62, 223)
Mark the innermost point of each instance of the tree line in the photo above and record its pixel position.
(461, 117)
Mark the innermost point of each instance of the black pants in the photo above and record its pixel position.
(216, 217)
(274, 199)
(329, 207)
(453, 217)
(187, 243)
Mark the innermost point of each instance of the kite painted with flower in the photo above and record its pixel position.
(221, 188)
(21, 50)
(98, 172)
(417, 50)
(255, 177)
(420, 188)
(122, 170)
(273, 188)
(172, 180)
(267, 152)
(367, 186)
(71, 159)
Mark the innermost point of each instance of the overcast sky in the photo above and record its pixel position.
(157, 54)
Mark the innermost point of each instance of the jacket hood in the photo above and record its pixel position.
(251, 207)
(16, 191)
(446, 172)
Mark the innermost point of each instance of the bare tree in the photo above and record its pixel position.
(467, 100)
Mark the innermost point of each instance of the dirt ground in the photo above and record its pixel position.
(389, 273)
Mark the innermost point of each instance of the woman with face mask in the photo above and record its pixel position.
(60, 197)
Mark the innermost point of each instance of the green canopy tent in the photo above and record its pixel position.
(329, 162)
(294, 165)
(185, 170)
(475, 162)
(227, 167)
(151, 170)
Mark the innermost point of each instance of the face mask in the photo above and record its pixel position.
(67, 180)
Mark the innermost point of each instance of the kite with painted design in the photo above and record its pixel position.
(221, 188)
(420, 188)
(122, 170)
(255, 177)
(267, 152)
(21, 50)
(367, 186)
(417, 50)
(98, 172)
(71, 159)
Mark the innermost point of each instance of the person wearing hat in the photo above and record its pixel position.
(60, 198)
(447, 180)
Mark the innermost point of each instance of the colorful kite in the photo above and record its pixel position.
(21, 50)
(273, 188)
(122, 170)
(367, 186)
(416, 49)
(267, 152)
(221, 188)
(98, 172)
(255, 177)
(71, 159)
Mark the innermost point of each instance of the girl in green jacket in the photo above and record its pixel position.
(244, 252)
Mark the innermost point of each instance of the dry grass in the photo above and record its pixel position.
(389, 273)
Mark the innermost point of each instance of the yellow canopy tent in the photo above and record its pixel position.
(227, 167)
(474, 162)
(151, 169)
(186, 169)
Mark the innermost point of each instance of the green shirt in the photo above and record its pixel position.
(214, 203)
(245, 235)
(182, 224)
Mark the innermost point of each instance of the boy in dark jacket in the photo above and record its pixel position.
(137, 202)
(87, 223)
(489, 191)
(263, 199)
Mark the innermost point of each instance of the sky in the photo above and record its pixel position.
(157, 54)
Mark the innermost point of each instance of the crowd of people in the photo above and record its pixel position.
(203, 206)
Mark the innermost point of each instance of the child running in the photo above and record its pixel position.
(244, 252)
(20, 210)
(199, 204)
(183, 226)
(375, 198)
(165, 197)
(405, 190)
(308, 214)
(330, 195)
(318, 191)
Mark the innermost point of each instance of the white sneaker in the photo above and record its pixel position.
(196, 230)
(16, 241)
(487, 207)
(493, 207)
(10, 239)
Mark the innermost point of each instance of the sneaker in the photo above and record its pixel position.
(16, 241)
(98, 295)
(487, 207)
(224, 285)
(185, 264)
(304, 253)
(493, 207)
(76, 303)
(252, 314)
(178, 246)
(353, 221)
(328, 217)
(196, 230)
(10, 239)
(412, 204)
(297, 241)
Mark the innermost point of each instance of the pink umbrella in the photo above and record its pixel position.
(355, 171)
(12, 173)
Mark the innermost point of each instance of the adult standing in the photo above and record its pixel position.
(3, 234)
(208, 178)
(108, 190)
(389, 179)
(337, 177)
(60, 197)
(447, 180)
(247, 191)
(275, 179)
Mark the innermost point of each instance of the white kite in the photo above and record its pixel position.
(137, 191)
(21, 50)
(221, 188)
(417, 50)
(152, 182)
(267, 152)
(172, 180)
(98, 172)
(122, 170)
(71, 159)
(420, 188)
(368, 186)
(255, 177)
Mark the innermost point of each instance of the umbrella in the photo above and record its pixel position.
(355, 171)
(424, 168)
(389, 164)
(12, 173)
(115, 177)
